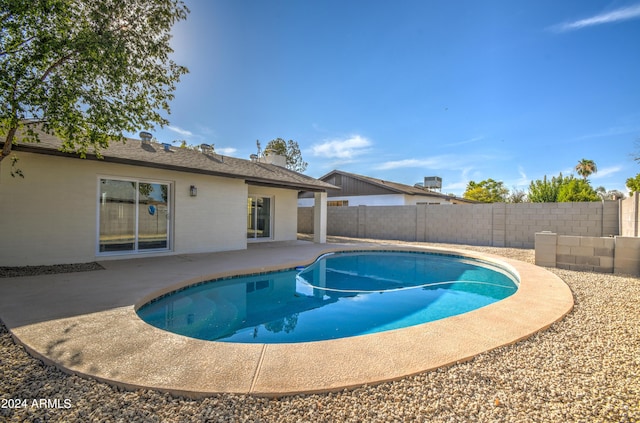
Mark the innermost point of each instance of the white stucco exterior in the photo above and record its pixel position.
(51, 215)
(284, 211)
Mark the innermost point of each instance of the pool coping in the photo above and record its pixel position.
(78, 324)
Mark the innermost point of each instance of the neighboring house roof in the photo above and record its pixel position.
(134, 152)
(374, 186)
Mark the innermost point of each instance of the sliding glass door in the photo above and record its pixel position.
(259, 217)
(133, 216)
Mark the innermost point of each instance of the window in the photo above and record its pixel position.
(338, 203)
(133, 216)
(259, 217)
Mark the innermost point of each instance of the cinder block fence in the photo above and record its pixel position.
(497, 224)
(617, 254)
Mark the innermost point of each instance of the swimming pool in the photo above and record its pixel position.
(340, 295)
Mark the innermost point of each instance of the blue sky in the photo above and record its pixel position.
(465, 90)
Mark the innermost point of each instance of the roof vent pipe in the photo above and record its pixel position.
(145, 137)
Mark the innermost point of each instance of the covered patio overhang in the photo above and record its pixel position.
(319, 207)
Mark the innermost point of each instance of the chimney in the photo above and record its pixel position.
(275, 159)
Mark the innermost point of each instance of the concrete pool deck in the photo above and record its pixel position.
(85, 323)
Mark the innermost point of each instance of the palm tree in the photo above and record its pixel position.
(586, 167)
(613, 194)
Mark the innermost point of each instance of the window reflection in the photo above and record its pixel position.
(133, 216)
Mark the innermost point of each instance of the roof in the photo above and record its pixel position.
(394, 187)
(154, 155)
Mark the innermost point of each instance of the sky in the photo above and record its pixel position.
(465, 90)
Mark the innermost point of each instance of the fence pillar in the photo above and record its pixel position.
(545, 245)
(498, 224)
(362, 221)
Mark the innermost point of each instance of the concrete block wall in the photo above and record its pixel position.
(305, 220)
(524, 220)
(627, 255)
(545, 254)
(498, 224)
(468, 224)
(629, 211)
(343, 221)
(620, 255)
(585, 253)
(388, 222)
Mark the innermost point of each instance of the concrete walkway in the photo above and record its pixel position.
(85, 323)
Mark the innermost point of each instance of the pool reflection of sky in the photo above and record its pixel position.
(340, 295)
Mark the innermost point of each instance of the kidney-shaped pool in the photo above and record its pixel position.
(340, 295)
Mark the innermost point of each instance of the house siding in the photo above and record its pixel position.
(50, 215)
(285, 211)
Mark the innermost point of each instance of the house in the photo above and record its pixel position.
(144, 198)
(359, 190)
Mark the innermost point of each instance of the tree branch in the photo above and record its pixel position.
(55, 65)
(18, 47)
(8, 143)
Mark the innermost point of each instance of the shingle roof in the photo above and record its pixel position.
(134, 152)
(395, 186)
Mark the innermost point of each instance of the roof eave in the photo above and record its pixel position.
(27, 148)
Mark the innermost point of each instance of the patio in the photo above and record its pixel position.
(85, 323)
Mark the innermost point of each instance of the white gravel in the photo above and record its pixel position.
(585, 368)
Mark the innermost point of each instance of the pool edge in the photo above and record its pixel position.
(150, 358)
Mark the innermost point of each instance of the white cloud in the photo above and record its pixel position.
(469, 141)
(345, 149)
(432, 163)
(601, 173)
(180, 131)
(462, 183)
(226, 151)
(618, 15)
(524, 180)
(444, 161)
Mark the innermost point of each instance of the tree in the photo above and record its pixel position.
(517, 196)
(85, 71)
(561, 189)
(585, 168)
(576, 190)
(634, 184)
(487, 191)
(613, 194)
(290, 150)
(545, 191)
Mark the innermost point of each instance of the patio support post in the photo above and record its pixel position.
(320, 217)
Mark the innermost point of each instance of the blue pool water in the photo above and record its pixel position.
(340, 295)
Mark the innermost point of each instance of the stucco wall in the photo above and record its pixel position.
(499, 224)
(285, 211)
(50, 216)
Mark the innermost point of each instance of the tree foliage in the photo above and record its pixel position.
(576, 190)
(85, 71)
(291, 150)
(517, 196)
(634, 184)
(605, 194)
(561, 189)
(487, 191)
(586, 167)
(545, 190)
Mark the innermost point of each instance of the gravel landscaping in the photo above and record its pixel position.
(12, 272)
(584, 368)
